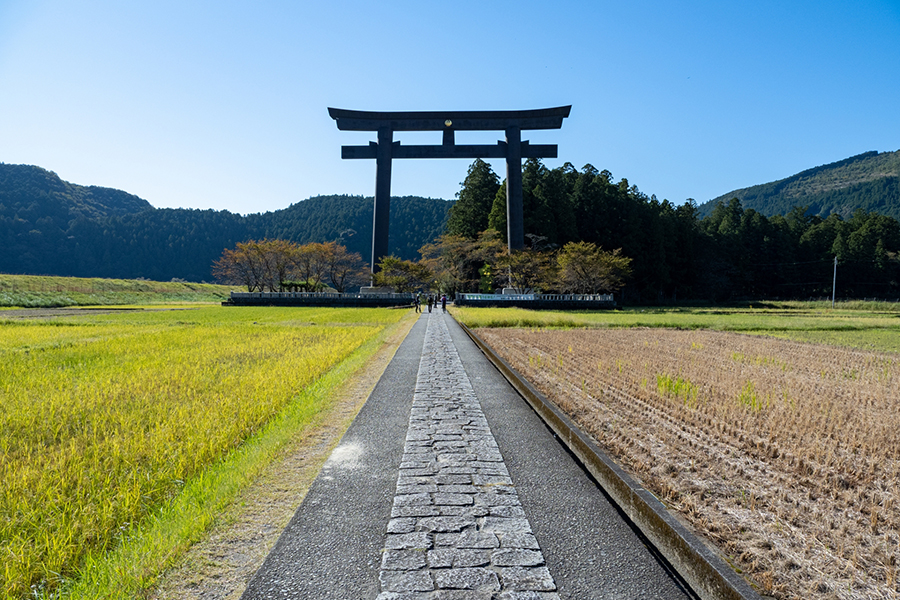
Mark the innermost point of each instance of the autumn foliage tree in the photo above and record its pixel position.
(585, 268)
(279, 265)
(242, 265)
(344, 268)
(458, 262)
(310, 267)
(465, 265)
(403, 275)
(526, 271)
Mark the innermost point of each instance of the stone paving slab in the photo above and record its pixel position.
(452, 472)
(436, 501)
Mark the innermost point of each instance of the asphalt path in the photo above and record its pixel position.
(332, 548)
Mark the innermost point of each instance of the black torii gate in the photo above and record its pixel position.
(514, 149)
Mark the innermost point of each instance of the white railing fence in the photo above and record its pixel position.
(551, 297)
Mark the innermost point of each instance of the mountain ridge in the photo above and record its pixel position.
(52, 227)
(27, 182)
(868, 181)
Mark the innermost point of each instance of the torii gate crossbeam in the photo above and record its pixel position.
(513, 149)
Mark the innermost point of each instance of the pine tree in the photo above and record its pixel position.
(497, 217)
(469, 216)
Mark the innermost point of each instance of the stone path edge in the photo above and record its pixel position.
(706, 572)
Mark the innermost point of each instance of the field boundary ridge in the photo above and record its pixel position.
(708, 574)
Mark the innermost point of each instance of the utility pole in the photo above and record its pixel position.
(834, 282)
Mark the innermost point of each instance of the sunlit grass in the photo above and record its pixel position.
(886, 340)
(106, 419)
(32, 291)
(873, 329)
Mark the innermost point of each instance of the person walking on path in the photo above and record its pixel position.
(418, 303)
(444, 302)
(430, 302)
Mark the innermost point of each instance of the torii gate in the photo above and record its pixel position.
(513, 122)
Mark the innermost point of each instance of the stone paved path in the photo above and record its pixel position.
(457, 528)
(416, 502)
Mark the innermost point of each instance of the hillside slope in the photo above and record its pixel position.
(870, 181)
(35, 190)
(52, 227)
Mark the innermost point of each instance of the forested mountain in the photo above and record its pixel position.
(49, 226)
(32, 191)
(869, 181)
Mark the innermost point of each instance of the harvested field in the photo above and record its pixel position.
(784, 455)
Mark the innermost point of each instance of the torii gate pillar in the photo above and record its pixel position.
(515, 212)
(382, 196)
(513, 149)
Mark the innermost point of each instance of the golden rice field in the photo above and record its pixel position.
(786, 455)
(105, 418)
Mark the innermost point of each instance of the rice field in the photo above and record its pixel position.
(784, 454)
(106, 418)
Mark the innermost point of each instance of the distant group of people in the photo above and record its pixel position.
(432, 301)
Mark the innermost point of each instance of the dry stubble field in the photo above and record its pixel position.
(785, 455)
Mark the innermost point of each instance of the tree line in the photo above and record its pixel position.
(48, 226)
(731, 254)
(283, 266)
(484, 264)
(587, 233)
(451, 264)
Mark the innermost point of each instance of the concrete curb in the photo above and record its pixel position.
(709, 576)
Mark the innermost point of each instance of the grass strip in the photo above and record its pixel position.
(869, 326)
(64, 299)
(134, 567)
(36, 291)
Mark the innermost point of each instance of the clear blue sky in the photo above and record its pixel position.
(222, 104)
